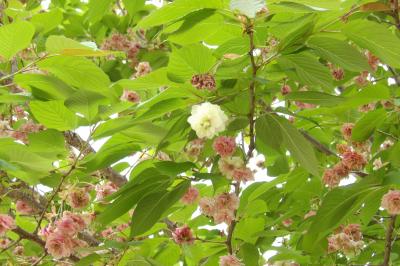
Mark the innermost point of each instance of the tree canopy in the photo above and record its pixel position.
(199, 132)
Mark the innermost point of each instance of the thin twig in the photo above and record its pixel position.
(388, 242)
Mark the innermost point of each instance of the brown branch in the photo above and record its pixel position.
(318, 145)
(77, 142)
(252, 88)
(388, 243)
(395, 15)
(232, 226)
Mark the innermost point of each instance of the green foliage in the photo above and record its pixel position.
(101, 109)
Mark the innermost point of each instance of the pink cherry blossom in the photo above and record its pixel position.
(354, 231)
(331, 178)
(23, 207)
(224, 216)
(229, 260)
(373, 61)
(228, 164)
(19, 250)
(105, 190)
(6, 223)
(203, 81)
(347, 129)
(78, 220)
(243, 174)
(391, 202)
(122, 227)
(67, 226)
(46, 231)
(194, 148)
(78, 198)
(224, 146)
(227, 201)
(353, 160)
(4, 242)
(341, 170)
(107, 232)
(59, 245)
(183, 235)
(287, 222)
(207, 206)
(142, 69)
(190, 196)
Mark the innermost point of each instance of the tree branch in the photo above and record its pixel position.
(77, 142)
(252, 88)
(388, 243)
(318, 145)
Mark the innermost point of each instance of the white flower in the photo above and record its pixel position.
(207, 120)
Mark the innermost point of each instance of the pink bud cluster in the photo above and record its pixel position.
(391, 202)
(194, 148)
(221, 208)
(6, 223)
(347, 240)
(183, 235)
(235, 168)
(120, 42)
(230, 260)
(22, 133)
(130, 96)
(362, 79)
(204, 82)
(105, 190)
(286, 89)
(62, 239)
(336, 72)
(190, 196)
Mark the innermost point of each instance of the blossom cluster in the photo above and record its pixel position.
(221, 207)
(203, 82)
(347, 240)
(62, 236)
(351, 159)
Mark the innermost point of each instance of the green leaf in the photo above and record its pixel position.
(177, 10)
(154, 80)
(86, 103)
(315, 97)
(77, 71)
(305, 68)
(248, 8)
(48, 143)
(44, 86)
(190, 60)
(47, 21)
(133, 6)
(294, 141)
(339, 52)
(56, 44)
(365, 127)
(88, 260)
(129, 199)
(151, 208)
(97, 9)
(53, 114)
(15, 37)
(197, 27)
(377, 38)
(268, 132)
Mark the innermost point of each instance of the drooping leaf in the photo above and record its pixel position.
(365, 127)
(377, 38)
(339, 52)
